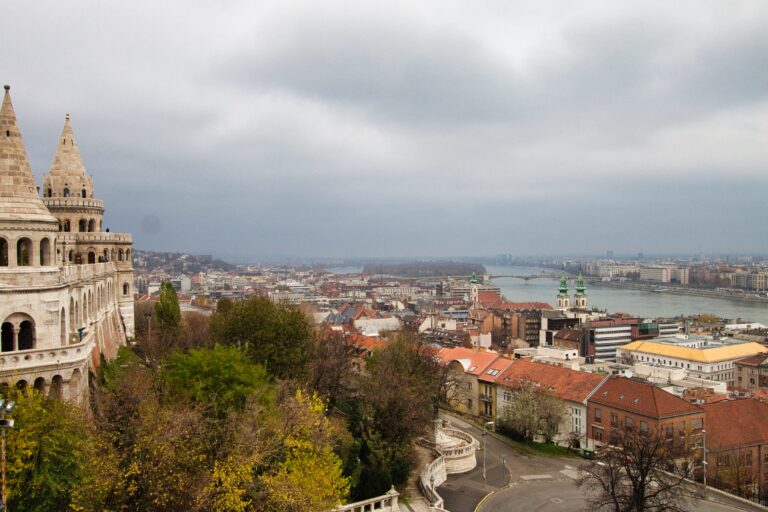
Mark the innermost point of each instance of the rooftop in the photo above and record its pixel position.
(641, 398)
(568, 384)
(708, 354)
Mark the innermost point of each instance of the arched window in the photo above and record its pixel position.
(126, 288)
(39, 385)
(72, 313)
(7, 337)
(127, 255)
(66, 192)
(50, 192)
(63, 326)
(24, 252)
(91, 226)
(91, 257)
(66, 225)
(120, 255)
(106, 255)
(83, 193)
(45, 252)
(3, 252)
(83, 225)
(57, 384)
(71, 255)
(26, 335)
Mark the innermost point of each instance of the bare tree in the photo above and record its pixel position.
(640, 472)
(330, 370)
(735, 470)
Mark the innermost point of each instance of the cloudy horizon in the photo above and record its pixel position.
(393, 129)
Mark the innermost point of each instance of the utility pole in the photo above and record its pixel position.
(5, 424)
(485, 446)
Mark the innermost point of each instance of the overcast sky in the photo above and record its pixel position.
(402, 128)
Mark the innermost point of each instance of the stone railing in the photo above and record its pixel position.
(461, 458)
(21, 360)
(95, 237)
(432, 476)
(385, 503)
(73, 202)
(48, 277)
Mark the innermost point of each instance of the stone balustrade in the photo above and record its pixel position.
(73, 202)
(385, 503)
(95, 237)
(23, 360)
(31, 278)
(459, 459)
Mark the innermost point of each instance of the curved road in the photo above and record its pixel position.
(530, 483)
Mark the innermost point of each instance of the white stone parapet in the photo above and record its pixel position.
(31, 278)
(34, 359)
(94, 237)
(73, 202)
(385, 503)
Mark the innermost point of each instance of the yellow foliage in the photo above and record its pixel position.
(310, 478)
(230, 486)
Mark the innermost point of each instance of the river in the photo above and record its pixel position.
(643, 304)
(635, 302)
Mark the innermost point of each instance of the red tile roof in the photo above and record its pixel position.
(486, 297)
(520, 306)
(494, 370)
(474, 362)
(755, 360)
(641, 398)
(734, 423)
(563, 382)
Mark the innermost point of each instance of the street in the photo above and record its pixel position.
(532, 482)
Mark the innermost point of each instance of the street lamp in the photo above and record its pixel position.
(5, 423)
(704, 457)
(485, 445)
(148, 316)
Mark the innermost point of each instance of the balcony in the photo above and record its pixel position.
(25, 360)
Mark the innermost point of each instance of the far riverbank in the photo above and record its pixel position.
(681, 290)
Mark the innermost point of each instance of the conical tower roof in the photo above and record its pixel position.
(19, 199)
(67, 160)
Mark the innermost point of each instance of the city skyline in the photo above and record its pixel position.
(398, 130)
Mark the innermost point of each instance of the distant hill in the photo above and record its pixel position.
(424, 269)
(177, 262)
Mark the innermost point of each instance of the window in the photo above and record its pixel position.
(614, 437)
(24, 252)
(597, 434)
(643, 427)
(598, 416)
(669, 432)
(698, 423)
(614, 419)
(469, 403)
(628, 423)
(507, 396)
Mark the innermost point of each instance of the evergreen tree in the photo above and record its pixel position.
(167, 309)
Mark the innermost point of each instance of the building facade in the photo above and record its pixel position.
(66, 286)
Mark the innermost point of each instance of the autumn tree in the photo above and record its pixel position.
(309, 478)
(533, 412)
(397, 399)
(48, 452)
(330, 369)
(277, 336)
(641, 471)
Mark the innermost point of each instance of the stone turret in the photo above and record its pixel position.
(19, 200)
(68, 191)
(27, 229)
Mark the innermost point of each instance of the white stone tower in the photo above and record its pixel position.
(60, 304)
